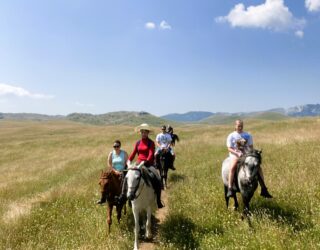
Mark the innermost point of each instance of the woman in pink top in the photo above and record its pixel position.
(145, 149)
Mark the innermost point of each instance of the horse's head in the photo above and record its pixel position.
(109, 180)
(251, 163)
(133, 178)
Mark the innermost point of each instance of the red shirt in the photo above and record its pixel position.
(145, 151)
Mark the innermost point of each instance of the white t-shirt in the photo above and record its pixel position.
(235, 136)
(164, 140)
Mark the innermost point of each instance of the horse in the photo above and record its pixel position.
(246, 178)
(110, 187)
(164, 161)
(142, 196)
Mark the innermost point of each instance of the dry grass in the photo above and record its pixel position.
(49, 174)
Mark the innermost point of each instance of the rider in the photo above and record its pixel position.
(145, 150)
(163, 142)
(117, 160)
(235, 152)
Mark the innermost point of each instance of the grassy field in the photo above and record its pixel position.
(49, 185)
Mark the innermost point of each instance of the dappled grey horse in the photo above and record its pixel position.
(245, 179)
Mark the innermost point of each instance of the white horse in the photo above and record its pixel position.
(142, 196)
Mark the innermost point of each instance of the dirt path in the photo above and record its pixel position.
(160, 216)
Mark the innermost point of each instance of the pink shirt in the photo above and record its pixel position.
(145, 151)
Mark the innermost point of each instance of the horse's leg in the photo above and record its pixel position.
(148, 223)
(125, 208)
(161, 170)
(136, 228)
(246, 210)
(109, 216)
(166, 177)
(225, 195)
(119, 208)
(236, 204)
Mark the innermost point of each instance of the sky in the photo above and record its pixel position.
(160, 56)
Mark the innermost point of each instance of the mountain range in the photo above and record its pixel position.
(133, 118)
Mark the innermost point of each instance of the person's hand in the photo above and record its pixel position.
(128, 163)
(239, 154)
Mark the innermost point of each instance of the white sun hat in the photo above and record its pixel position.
(144, 126)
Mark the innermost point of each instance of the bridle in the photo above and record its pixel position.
(254, 155)
(137, 186)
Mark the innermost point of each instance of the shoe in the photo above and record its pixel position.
(264, 193)
(101, 201)
(230, 193)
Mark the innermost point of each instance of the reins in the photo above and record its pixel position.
(137, 186)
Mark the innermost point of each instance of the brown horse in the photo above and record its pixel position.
(110, 186)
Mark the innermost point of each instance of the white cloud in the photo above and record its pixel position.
(6, 89)
(150, 25)
(299, 33)
(312, 5)
(165, 26)
(273, 15)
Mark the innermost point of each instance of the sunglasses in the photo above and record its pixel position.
(116, 146)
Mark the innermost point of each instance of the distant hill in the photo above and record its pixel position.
(304, 110)
(115, 118)
(229, 118)
(30, 116)
(191, 116)
(272, 114)
(134, 118)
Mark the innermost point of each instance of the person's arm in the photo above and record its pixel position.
(232, 149)
(169, 140)
(158, 141)
(235, 151)
(133, 154)
(110, 160)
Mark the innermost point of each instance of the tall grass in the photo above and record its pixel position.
(49, 175)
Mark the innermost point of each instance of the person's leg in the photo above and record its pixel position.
(123, 196)
(233, 167)
(156, 184)
(264, 190)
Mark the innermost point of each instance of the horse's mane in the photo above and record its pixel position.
(109, 173)
(254, 153)
(145, 173)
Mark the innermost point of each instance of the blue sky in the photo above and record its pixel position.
(165, 56)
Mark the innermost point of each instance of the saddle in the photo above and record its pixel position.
(151, 177)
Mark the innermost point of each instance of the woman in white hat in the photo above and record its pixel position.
(145, 149)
